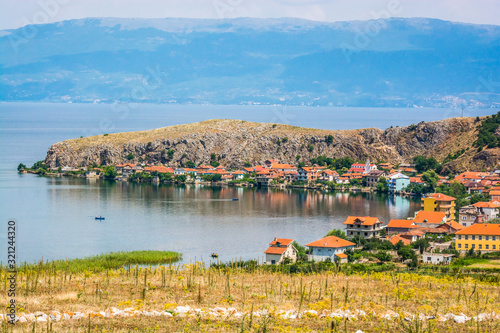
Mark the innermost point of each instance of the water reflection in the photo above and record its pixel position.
(56, 216)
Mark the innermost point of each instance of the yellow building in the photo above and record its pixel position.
(439, 202)
(482, 237)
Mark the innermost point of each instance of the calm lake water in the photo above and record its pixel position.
(55, 215)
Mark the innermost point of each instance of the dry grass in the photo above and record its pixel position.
(164, 288)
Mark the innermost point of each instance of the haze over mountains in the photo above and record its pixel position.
(391, 62)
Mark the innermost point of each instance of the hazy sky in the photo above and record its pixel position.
(16, 13)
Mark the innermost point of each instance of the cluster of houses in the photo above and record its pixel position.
(437, 217)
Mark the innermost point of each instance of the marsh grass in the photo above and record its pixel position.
(250, 288)
(104, 262)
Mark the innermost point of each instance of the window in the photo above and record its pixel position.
(487, 246)
(465, 224)
(493, 237)
(480, 237)
(466, 237)
(466, 246)
(473, 246)
(493, 247)
(459, 236)
(487, 237)
(480, 246)
(473, 237)
(459, 245)
(428, 258)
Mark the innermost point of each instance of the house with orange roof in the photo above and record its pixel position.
(489, 209)
(124, 169)
(398, 226)
(238, 175)
(257, 168)
(416, 180)
(413, 235)
(327, 175)
(343, 180)
(283, 167)
(394, 239)
(495, 194)
(364, 226)
(451, 227)
(484, 237)
(279, 249)
(429, 219)
(308, 174)
(159, 169)
(329, 248)
(438, 202)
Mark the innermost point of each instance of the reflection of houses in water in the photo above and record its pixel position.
(398, 205)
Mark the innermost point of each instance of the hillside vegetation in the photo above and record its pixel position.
(234, 142)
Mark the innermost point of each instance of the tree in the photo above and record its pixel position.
(430, 178)
(423, 163)
(383, 256)
(130, 156)
(329, 139)
(382, 186)
(406, 253)
(421, 244)
(355, 181)
(337, 233)
(39, 165)
(180, 178)
(215, 164)
(190, 164)
(21, 167)
(247, 165)
(216, 177)
(109, 172)
(301, 251)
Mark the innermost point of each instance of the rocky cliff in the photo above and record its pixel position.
(235, 142)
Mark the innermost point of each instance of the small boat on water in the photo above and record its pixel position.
(100, 218)
(235, 199)
(215, 255)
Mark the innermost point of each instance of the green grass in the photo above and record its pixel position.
(106, 261)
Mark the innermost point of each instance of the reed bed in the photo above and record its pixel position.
(418, 301)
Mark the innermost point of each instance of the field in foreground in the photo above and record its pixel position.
(252, 299)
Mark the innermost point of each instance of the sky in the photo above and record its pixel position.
(17, 13)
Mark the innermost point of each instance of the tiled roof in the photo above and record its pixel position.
(282, 241)
(401, 224)
(441, 197)
(396, 238)
(275, 250)
(495, 192)
(331, 242)
(486, 205)
(282, 166)
(481, 229)
(341, 255)
(431, 217)
(366, 220)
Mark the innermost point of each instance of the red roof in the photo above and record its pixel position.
(401, 224)
(126, 164)
(486, 205)
(275, 250)
(282, 241)
(160, 169)
(365, 220)
(396, 238)
(431, 217)
(481, 229)
(441, 197)
(331, 241)
(341, 255)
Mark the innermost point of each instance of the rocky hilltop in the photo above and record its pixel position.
(234, 142)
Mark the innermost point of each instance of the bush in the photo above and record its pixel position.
(130, 156)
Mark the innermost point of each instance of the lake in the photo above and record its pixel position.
(55, 215)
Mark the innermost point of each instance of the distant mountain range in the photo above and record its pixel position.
(391, 62)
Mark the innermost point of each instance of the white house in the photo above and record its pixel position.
(490, 209)
(328, 248)
(279, 249)
(437, 258)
